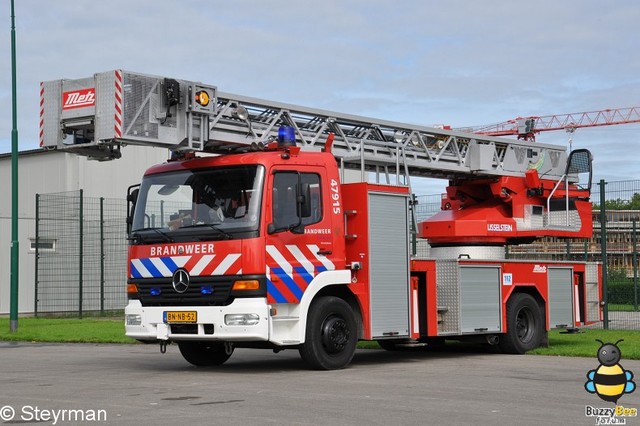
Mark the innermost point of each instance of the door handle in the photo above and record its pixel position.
(324, 252)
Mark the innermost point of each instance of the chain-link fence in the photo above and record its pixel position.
(81, 250)
(81, 254)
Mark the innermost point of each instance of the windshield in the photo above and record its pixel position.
(215, 203)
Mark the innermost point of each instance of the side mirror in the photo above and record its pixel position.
(298, 229)
(295, 229)
(304, 200)
(132, 199)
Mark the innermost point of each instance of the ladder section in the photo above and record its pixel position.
(137, 109)
(374, 144)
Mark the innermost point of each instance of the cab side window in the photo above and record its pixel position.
(286, 210)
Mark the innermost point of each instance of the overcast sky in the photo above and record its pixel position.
(427, 62)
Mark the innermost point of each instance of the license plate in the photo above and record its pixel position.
(172, 317)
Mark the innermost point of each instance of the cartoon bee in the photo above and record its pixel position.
(610, 381)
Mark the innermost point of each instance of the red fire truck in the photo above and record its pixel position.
(283, 227)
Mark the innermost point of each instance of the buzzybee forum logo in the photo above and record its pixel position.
(610, 381)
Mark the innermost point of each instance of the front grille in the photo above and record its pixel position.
(160, 292)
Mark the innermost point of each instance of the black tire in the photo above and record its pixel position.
(206, 354)
(331, 334)
(525, 325)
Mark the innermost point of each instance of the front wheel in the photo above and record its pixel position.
(525, 325)
(331, 334)
(206, 354)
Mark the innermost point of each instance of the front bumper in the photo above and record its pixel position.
(147, 323)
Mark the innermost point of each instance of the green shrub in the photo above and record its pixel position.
(617, 275)
(621, 292)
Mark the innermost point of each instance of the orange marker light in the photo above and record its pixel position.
(246, 285)
(202, 97)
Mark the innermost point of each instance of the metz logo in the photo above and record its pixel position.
(79, 98)
(540, 269)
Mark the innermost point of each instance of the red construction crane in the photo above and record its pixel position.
(527, 127)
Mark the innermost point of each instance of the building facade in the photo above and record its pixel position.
(44, 172)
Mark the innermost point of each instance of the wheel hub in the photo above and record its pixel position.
(335, 334)
(525, 325)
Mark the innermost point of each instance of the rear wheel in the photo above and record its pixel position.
(206, 354)
(525, 325)
(331, 334)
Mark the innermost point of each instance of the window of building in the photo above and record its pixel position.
(42, 244)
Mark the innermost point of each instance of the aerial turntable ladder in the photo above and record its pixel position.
(522, 190)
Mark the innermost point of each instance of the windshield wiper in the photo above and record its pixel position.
(227, 235)
(138, 236)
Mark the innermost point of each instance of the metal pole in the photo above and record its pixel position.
(603, 250)
(15, 251)
(37, 260)
(634, 235)
(101, 256)
(413, 225)
(80, 255)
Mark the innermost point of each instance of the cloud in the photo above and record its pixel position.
(425, 62)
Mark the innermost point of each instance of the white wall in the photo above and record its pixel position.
(44, 172)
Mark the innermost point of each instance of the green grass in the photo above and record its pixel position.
(111, 330)
(560, 344)
(584, 343)
(67, 330)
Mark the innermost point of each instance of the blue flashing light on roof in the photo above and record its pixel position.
(286, 136)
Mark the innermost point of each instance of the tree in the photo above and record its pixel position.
(620, 204)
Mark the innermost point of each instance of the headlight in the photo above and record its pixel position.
(241, 319)
(133, 319)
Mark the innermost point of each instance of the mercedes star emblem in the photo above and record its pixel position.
(180, 280)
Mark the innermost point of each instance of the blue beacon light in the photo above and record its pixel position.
(286, 136)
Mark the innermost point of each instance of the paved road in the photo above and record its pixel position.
(135, 384)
